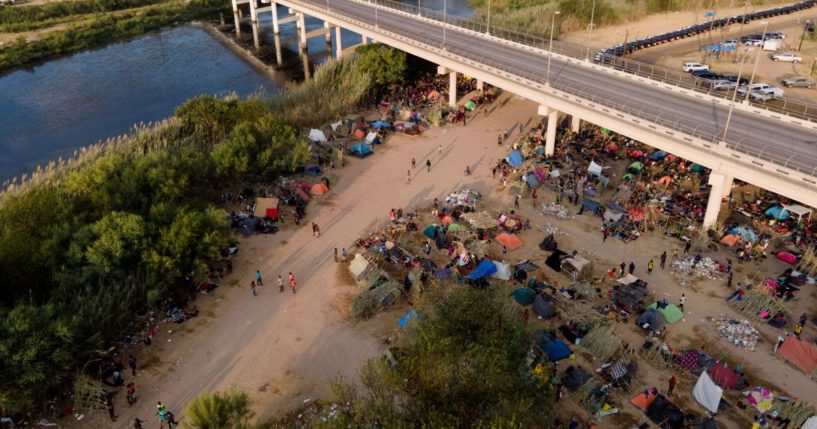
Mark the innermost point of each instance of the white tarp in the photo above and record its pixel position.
(555, 173)
(503, 271)
(370, 137)
(707, 393)
(317, 135)
(594, 169)
(336, 125)
(359, 267)
(811, 423)
(629, 278)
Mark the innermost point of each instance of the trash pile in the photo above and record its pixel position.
(697, 267)
(556, 210)
(464, 198)
(740, 333)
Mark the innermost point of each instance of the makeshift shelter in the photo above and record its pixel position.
(361, 150)
(725, 377)
(510, 241)
(543, 308)
(555, 350)
(666, 414)
(636, 166)
(574, 378)
(470, 105)
(786, 257)
(515, 158)
(671, 312)
(554, 261)
(447, 220)
(800, 211)
(503, 271)
(643, 400)
(695, 361)
(360, 267)
(408, 317)
(619, 373)
(266, 208)
(549, 243)
(777, 213)
(524, 296)
(432, 230)
(249, 226)
(707, 393)
(372, 138)
(761, 398)
(801, 354)
(480, 220)
(591, 206)
(319, 189)
(526, 265)
(658, 155)
(730, 240)
(484, 269)
(317, 135)
(745, 233)
(579, 266)
(650, 319)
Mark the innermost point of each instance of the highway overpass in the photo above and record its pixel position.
(775, 151)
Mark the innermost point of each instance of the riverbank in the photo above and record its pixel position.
(244, 53)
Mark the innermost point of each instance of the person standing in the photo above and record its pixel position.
(533, 197)
(131, 393)
(440, 149)
(252, 287)
(336, 255)
(408, 177)
(516, 201)
(604, 233)
(663, 259)
(109, 407)
(632, 267)
(649, 267)
(623, 266)
(428, 165)
(687, 246)
(413, 163)
(132, 364)
(672, 382)
(499, 140)
(258, 280)
(682, 301)
(729, 281)
(162, 418)
(343, 255)
(280, 284)
(137, 423)
(292, 282)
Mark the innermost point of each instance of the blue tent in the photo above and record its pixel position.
(361, 150)
(411, 314)
(777, 212)
(659, 155)
(379, 124)
(377, 140)
(443, 273)
(313, 170)
(532, 182)
(556, 350)
(524, 295)
(484, 269)
(431, 230)
(591, 205)
(515, 158)
(745, 233)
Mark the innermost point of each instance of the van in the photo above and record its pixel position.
(771, 45)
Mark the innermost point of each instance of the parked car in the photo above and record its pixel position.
(723, 84)
(788, 57)
(734, 78)
(776, 35)
(693, 66)
(761, 87)
(731, 42)
(706, 74)
(761, 96)
(799, 82)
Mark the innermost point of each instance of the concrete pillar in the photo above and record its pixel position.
(552, 125)
(328, 35)
(452, 88)
(338, 43)
(301, 31)
(721, 187)
(575, 123)
(276, 28)
(254, 22)
(480, 85)
(278, 52)
(305, 59)
(363, 39)
(236, 19)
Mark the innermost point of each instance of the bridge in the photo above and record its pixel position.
(736, 140)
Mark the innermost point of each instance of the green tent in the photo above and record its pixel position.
(454, 227)
(627, 176)
(696, 168)
(606, 132)
(671, 312)
(470, 105)
(637, 166)
(524, 296)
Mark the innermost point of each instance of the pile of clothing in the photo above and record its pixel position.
(740, 333)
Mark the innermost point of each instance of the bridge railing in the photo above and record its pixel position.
(784, 105)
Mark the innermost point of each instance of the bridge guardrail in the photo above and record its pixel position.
(787, 106)
(712, 136)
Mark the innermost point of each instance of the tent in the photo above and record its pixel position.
(636, 166)
(317, 135)
(359, 267)
(594, 169)
(707, 393)
(532, 181)
(556, 350)
(549, 243)
(543, 308)
(408, 317)
(671, 312)
(379, 124)
(643, 400)
(696, 168)
(777, 212)
(526, 265)
(730, 240)
(447, 220)
(524, 296)
(612, 147)
(371, 137)
(723, 376)
(362, 150)
(503, 271)
(432, 230)
(510, 241)
(249, 226)
(801, 354)
(650, 319)
(470, 105)
(591, 205)
(319, 189)
(554, 261)
(745, 233)
(484, 269)
(666, 180)
(811, 423)
(266, 207)
(666, 414)
(658, 155)
(515, 158)
(574, 378)
(786, 257)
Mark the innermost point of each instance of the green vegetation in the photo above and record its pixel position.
(386, 65)
(25, 17)
(230, 410)
(89, 245)
(105, 27)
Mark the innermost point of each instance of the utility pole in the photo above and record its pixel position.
(805, 27)
(590, 28)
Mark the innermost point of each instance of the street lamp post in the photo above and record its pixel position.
(757, 59)
(805, 28)
(488, 26)
(550, 48)
(445, 21)
(734, 97)
(590, 28)
(418, 9)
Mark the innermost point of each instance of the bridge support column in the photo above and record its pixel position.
(575, 123)
(254, 22)
(721, 187)
(363, 39)
(236, 19)
(301, 30)
(276, 27)
(338, 43)
(552, 125)
(452, 88)
(480, 85)
(328, 34)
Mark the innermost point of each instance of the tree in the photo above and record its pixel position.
(384, 64)
(463, 364)
(229, 410)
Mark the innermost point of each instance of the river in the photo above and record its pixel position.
(48, 110)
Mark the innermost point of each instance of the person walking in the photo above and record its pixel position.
(663, 259)
(137, 423)
(292, 282)
(317, 231)
(162, 418)
(408, 177)
(499, 140)
(280, 284)
(729, 281)
(343, 255)
(672, 382)
(632, 267)
(687, 246)
(336, 255)
(516, 201)
(440, 149)
(623, 266)
(649, 267)
(604, 233)
(252, 286)
(258, 280)
(533, 197)
(131, 393)
(413, 163)
(428, 165)
(682, 301)
(109, 407)
(132, 365)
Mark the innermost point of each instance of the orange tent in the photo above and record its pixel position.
(319, 189)
(359, 134)
(434, 95)
(643, 401)
(510, 241)
(799, 353)
(448, 220)
(666, 180)
(730, 240)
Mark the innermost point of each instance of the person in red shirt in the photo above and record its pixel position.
(672, 382)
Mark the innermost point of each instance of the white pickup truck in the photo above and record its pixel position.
(760, 87)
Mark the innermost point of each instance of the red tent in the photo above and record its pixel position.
(723, 376)
(799, 353)
(787, 257)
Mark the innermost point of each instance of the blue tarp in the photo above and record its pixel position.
(484, 269)
(657, 156)
(443, 273)
(556, 350)
(408, 317)
(377, 140)
(532, 182)
(591, 205)
(379, 124)
(361, 150)
(313, 170)
(777, 212)
(515, 158)
(745, 233)
(524, 296)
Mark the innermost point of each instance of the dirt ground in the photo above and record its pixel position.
(282, 348)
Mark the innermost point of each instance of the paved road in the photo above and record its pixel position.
(747, 133)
